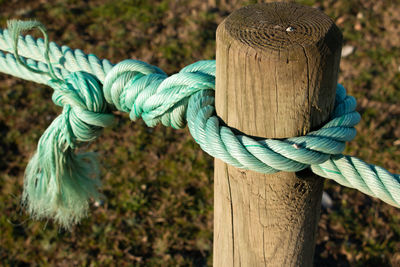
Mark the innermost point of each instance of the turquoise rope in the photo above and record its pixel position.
(59, 181)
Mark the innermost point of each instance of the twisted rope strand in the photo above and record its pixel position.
(61, 57)
(59, 182)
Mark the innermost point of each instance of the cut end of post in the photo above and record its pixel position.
(282, 25)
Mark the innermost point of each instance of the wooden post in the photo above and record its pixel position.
(277, 68)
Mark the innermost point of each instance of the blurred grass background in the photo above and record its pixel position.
(157, 182)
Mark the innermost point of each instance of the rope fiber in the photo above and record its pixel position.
(59, 181)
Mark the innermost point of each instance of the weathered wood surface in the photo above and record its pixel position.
(277, 68)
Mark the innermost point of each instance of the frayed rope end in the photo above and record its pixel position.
(58, 182)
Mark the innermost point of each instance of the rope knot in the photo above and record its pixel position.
(146, 91)
(85, 108)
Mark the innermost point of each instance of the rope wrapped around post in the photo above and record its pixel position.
(59, 181)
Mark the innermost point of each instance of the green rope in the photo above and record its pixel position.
(16, 27)
(59, 181)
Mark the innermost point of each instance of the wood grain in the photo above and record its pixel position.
(277, 68)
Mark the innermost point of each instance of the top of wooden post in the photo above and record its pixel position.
(279, 25)
(283, 60)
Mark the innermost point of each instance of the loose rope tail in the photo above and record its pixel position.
(59, 182)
